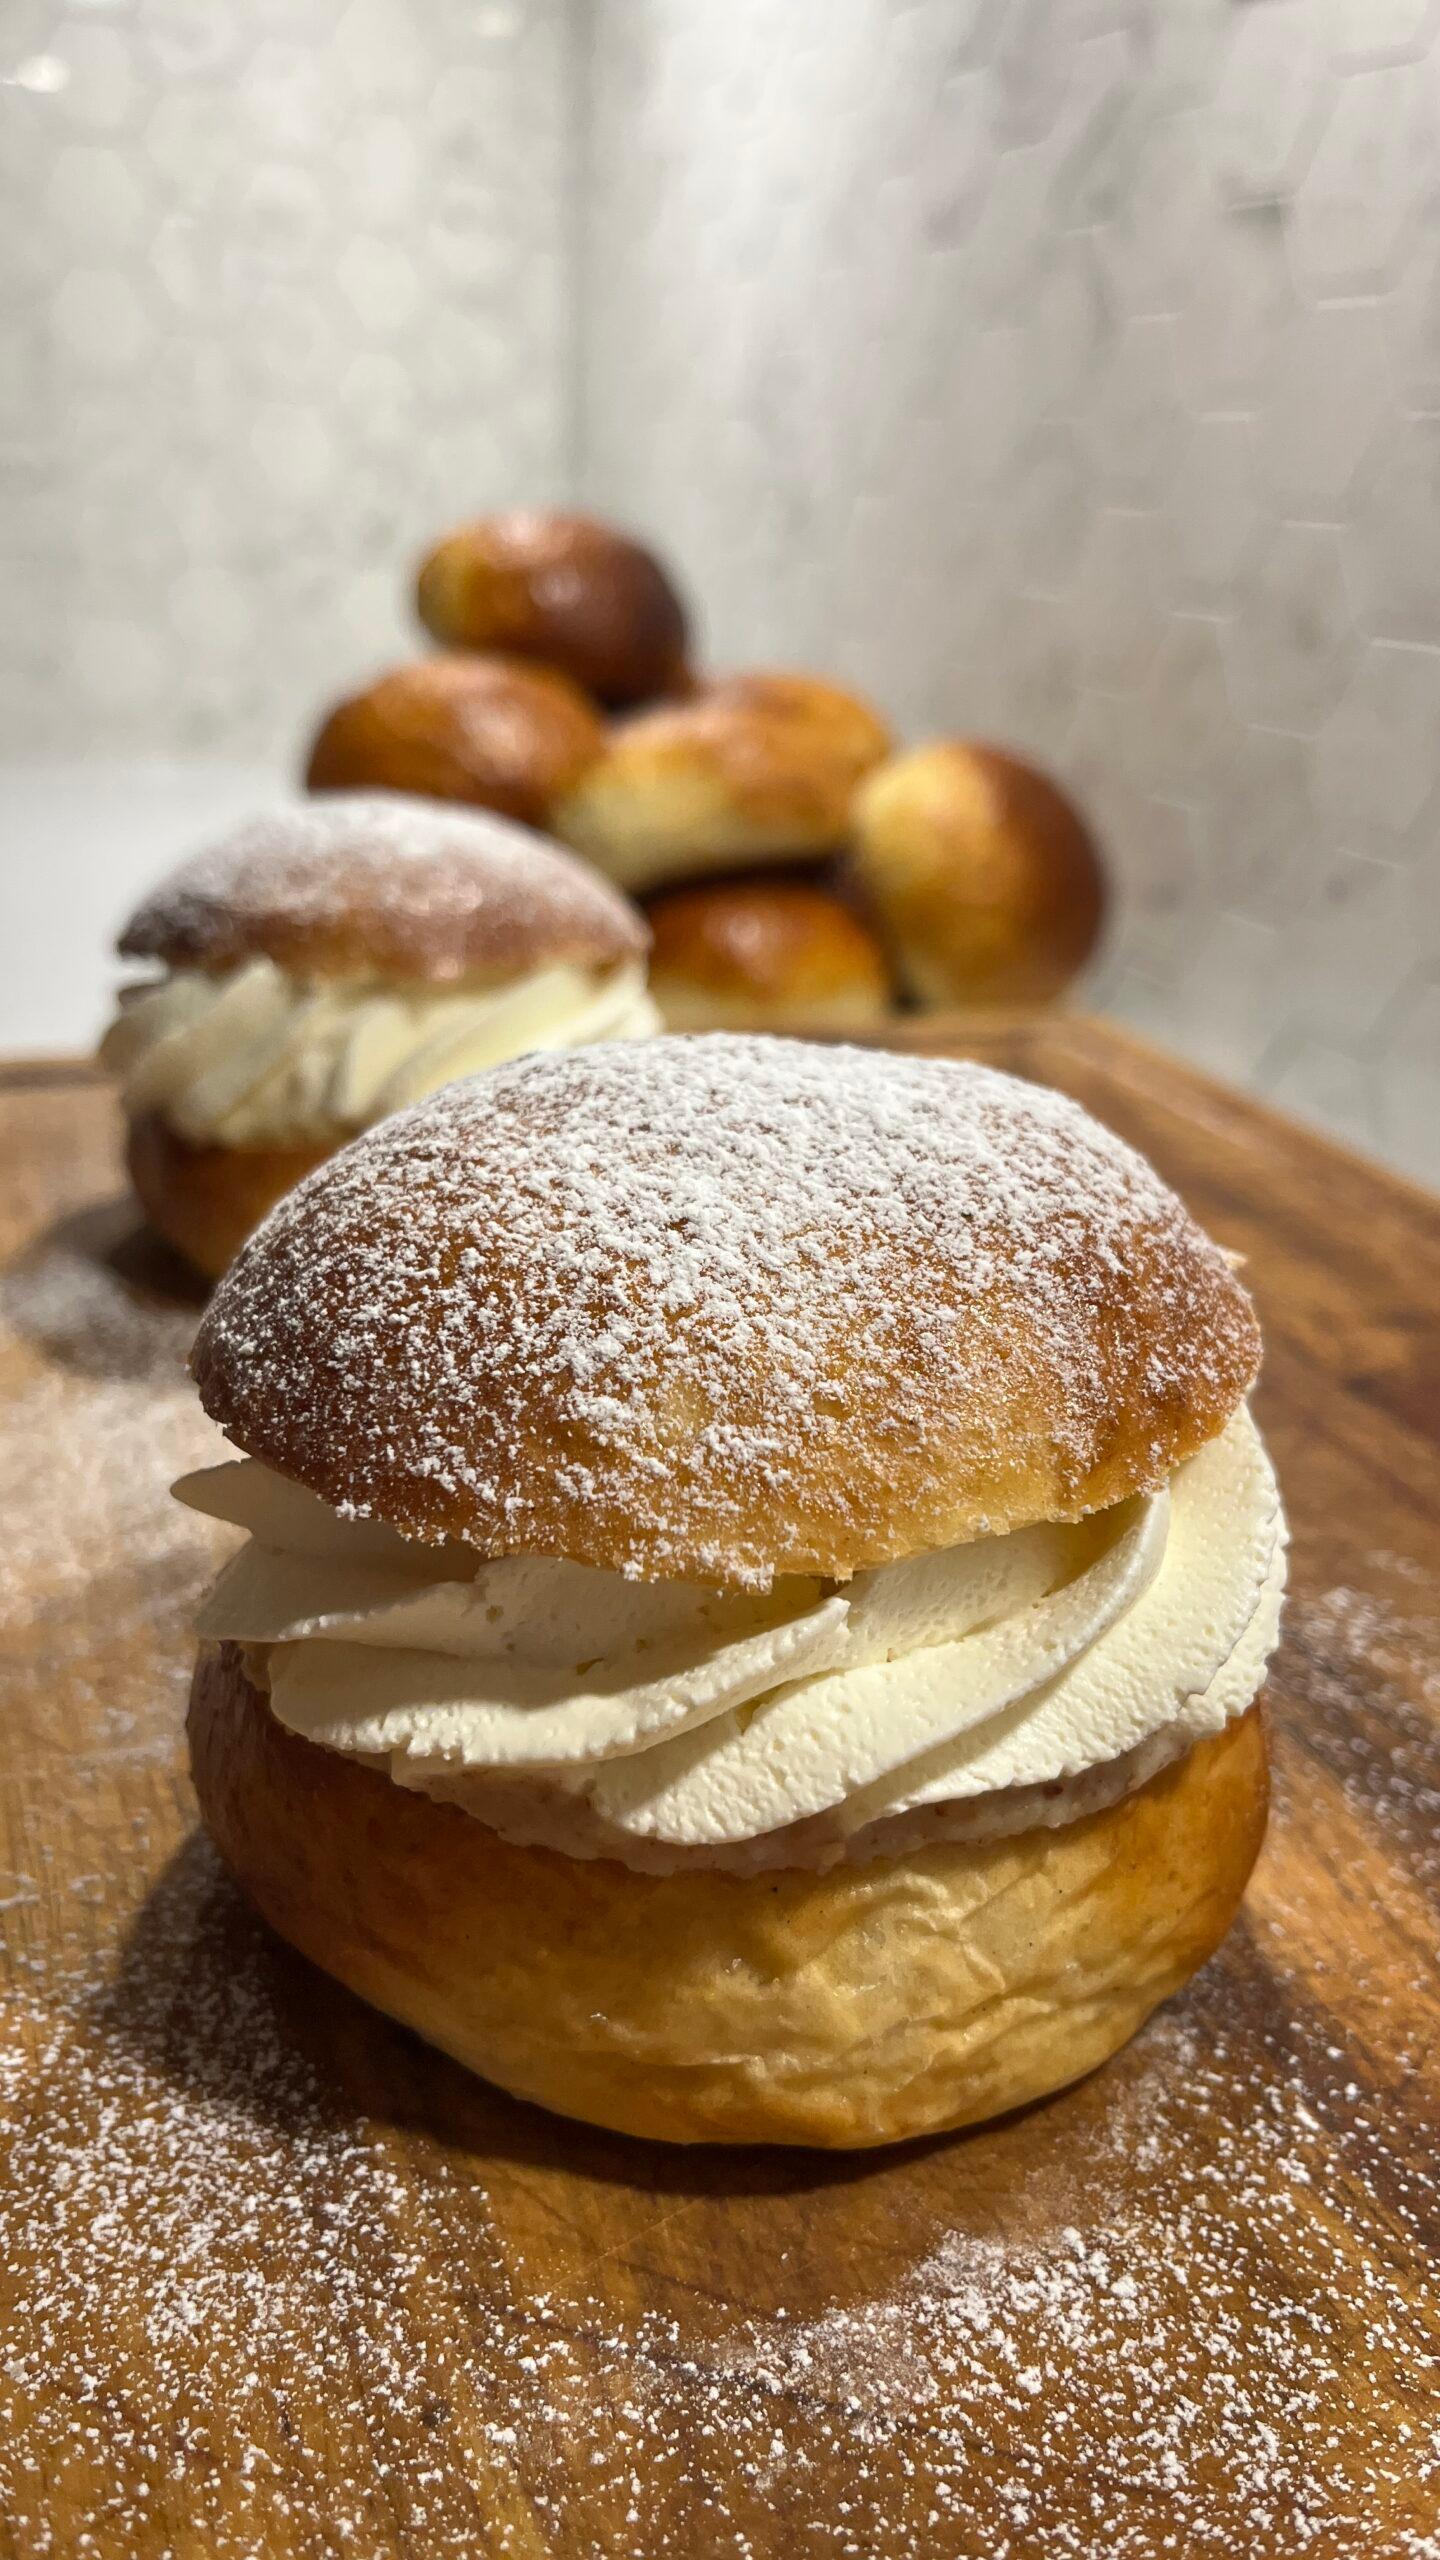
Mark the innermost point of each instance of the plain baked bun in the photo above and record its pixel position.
(868, 2005)
(748, 955)
(564, 589)
(205, 1201)
(753, 769)
(841, 725)
(721, 1308)
(371, 884)
(489, 731)
(985, 879)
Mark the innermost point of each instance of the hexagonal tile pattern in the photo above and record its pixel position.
(1238, 296)
(1271, 97)
(1356, 947)
(1392, 539)
(1131, 465)
(1365, 33)
(254, 383)
(1372, 173)
(1265, 827)
(1212, 510)
(1375, 757)
(1293, 642)
(1192, 729)
(1328, 391)
(1120, 615)
(1136, 420)
(1411, 314)
(1208, 249)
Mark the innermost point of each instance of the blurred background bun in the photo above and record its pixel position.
(984, 879)
(490, 731)
(757, 954)
(755, 769)
(563, 589)
(831, 880)
(843, 725)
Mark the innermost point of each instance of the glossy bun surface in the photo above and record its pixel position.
(492, 732)
(564, 589)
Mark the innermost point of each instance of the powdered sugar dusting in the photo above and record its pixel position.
(1371, 1679)
(241, 2299)
(99, 1418)
(1183, 2310)
(374, 881)
(728, 1306)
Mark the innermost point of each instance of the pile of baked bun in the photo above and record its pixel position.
(796, 866)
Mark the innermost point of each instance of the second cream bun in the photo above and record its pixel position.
(983, 876)
(490, 731)
(760, 954)
(755, 768)
(565, 589)
(323, 914)
(205, 1201)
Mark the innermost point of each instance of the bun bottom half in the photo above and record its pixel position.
(867, 2005)
(205, 1201)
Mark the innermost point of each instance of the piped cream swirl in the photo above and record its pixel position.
(1012, 1680)
(255, 1057)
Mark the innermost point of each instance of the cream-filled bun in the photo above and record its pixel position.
(330, 961)
(757, 1572)
(754, 769)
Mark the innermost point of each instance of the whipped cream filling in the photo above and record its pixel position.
(983, 1688)
(255, 1057)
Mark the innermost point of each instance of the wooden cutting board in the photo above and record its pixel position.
(274, 2279)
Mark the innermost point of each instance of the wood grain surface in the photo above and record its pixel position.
(275, 2279)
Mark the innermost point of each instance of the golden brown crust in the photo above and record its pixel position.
(756, 768)
(756, 954)
(872, 2004)
(375, 884)
(561, 588)
(847, 727)
(490, 731)
(205, 1201)
(722, 1308)
(985, 879)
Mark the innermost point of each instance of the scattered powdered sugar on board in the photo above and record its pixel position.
(1371, 1676)
(243, 2315)
(1152, 2354)
(99, 1420)
(302, 2333)
(199, 2246)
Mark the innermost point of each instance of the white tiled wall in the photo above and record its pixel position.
(1069, 371)
(1063, 370)
(285, 284)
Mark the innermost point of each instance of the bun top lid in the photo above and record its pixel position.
(723, 1308)
(375, 883)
